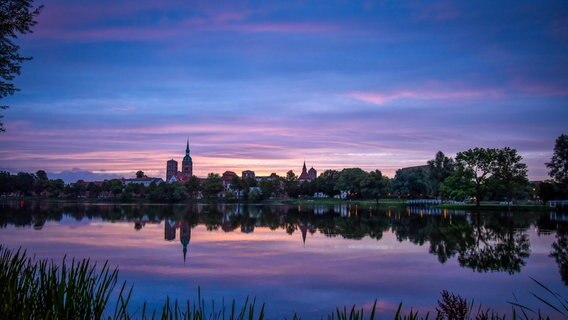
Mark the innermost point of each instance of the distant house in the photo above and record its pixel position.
(143, 181)
(248, 174)
(227, 179)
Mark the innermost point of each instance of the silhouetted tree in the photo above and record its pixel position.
(374, 185)
(326, 182)
(16, 17)
(558, 164)
(411, 182)
(193, 186)
(440, 168)
(480, 164)
(350, 180)
(212, 185)
(291, 184)
(509, 173)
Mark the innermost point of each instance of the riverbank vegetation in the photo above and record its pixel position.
(41, 289)
(475, 175)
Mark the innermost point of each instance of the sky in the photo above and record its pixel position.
(119, 86)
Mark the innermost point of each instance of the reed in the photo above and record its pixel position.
(41, 289)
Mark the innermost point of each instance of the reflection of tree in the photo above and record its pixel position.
(447, 238)
(413, 228)
(496, 247)
(482, 242)
(560, 253)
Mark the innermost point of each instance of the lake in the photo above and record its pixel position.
(304, 259)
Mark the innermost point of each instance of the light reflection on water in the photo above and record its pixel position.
(307, 259)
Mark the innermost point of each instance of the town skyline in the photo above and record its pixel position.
(116, 87)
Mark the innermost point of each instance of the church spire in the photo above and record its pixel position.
(187, 148)
(304, 167)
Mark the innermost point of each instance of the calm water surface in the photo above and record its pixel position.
(308, 259)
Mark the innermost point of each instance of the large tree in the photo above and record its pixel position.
(291, 184)
(479, 163)
(326, 182)
(411, 182)
(509, 172)
(558, 164)
(440, 168)
(350, 180)
(16, 17)
(193, 185)
(375, 185)
(212, 185)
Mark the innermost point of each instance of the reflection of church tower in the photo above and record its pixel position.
(169, 230)
(184, 236)
(187, 163)
(304, 229)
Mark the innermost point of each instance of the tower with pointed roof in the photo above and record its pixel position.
(187, 163)
(307, 175)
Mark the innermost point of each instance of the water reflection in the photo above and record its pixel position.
(483, 242)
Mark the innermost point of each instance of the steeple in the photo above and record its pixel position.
(187, 157)
(304, 167)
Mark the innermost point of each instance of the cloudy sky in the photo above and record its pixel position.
(119, 86)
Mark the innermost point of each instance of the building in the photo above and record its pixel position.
(143, 181)
(227, 179)
(171, 169)
(187, 163)
(248, 174)
(172, 173)
(307, 175)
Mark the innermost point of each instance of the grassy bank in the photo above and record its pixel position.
(41, 289)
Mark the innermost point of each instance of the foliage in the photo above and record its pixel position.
(452, 307)
(440, 168)
(458, 186)
(270, 187)
(350, 180)
(16, 17)
(291, 184)
(140, 174)
(480, 164)
(374, 185)
(326, 182)
(499, 171)
(42, 290)
(212, 185)
(411, 182)
(193, 186)
(510, 172)
(558, 165)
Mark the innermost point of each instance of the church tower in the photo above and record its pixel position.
(187, 163)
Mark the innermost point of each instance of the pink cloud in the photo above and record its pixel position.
(380, 98)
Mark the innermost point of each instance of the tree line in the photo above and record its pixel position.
(476, 174)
